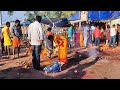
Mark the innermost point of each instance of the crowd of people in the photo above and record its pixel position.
(87, 35)
(93, 35)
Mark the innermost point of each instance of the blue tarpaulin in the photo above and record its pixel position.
(74, 16)
(26, 23)
(59, 22)
(115, 15)
(99, 15)
(93, 15)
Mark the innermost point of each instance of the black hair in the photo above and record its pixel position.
(118, 24)
(108, 26)
(49, 29)
(17, 21)
(50, 37)
(113, 25)
(7, 23)
(38, 18)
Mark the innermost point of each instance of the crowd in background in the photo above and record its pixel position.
(74, 36)
(93, 35)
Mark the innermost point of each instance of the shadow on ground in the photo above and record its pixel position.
(24, 73)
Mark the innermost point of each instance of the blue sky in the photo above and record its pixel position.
(17, 15)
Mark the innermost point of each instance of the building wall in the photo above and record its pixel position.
(84, 15)
(116, 21)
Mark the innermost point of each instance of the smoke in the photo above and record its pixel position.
(92, 52)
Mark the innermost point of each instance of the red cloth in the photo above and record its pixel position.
(96, 33)
(77, 38)
(108, 35)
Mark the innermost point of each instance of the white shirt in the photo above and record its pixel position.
(112, 31)
(35, 33)
(92, 28)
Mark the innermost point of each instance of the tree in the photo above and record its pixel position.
(50, 14)
(30, 15)
(66, 14)
(10, 13)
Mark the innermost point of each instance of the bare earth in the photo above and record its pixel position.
(85, 64)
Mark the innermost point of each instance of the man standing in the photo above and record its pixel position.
(112, 36)
(35, 36)
(17, 34)
(92, 29)
(97, 36)
(86, 29)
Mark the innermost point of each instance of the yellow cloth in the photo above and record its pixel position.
(44, 52)
(62, 52)
(7, 40)
(55, 50)
(81, 39)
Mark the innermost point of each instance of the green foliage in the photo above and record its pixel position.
(30, 15)
(51, 14)
(10, 13)
(66, 14)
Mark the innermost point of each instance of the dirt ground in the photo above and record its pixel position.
(90, 63)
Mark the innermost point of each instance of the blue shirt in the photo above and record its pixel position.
(70, 32)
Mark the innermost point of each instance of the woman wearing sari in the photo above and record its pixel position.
(81, 38)
(62, 43)
(102, 34)
(77, 39)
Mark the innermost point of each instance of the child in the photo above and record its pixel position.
(29, 49)
(16, 44)
(49, 46)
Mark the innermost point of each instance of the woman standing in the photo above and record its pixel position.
(81, 38)
(101, 34)
(77, 39)
(107, 35)
(7, 39)
(62, 43)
